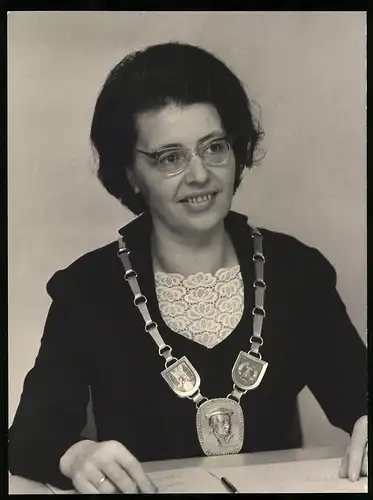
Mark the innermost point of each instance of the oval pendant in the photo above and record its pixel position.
(220, 426)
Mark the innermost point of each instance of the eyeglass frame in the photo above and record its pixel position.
(155, 155)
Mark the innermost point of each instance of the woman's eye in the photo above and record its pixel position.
(170, 158)
(216, 147)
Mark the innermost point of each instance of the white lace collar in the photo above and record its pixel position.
(203, 307)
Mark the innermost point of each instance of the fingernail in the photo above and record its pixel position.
(353, 476)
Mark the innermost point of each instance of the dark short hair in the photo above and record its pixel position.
(150, 79)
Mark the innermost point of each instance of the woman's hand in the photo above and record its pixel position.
(106, 467)
(355, 462)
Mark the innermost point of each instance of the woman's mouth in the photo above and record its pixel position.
(199, 199)
(198, 202)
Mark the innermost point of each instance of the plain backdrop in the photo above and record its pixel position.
(307, 72)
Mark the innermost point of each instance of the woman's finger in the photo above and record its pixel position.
(357, 448)
(120, 478)
(83, 485)
(364, 465)
(343, 470)
(129, 463)
(100, 480)
(106, 487)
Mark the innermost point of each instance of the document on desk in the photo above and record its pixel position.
(308, 476)
(187, 480)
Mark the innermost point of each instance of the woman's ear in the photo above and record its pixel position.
(132, 181)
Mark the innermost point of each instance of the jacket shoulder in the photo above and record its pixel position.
(98, 270)
(90, 271)
(290, 252)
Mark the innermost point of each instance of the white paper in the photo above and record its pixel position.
(308, 476)
(188, 480)
(57, 491)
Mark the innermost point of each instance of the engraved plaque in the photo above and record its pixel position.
(220, 426)
(182, 377)
(248, 371)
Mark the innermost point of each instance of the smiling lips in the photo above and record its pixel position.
(198, 198)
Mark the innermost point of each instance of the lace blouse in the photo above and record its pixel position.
(202, 307)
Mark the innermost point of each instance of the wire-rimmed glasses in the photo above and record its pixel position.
(173, 161)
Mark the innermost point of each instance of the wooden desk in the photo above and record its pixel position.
(19, 485)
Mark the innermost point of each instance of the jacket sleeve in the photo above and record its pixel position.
(52, 409)
(335, 357)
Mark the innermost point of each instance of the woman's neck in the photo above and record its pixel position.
(191, 253)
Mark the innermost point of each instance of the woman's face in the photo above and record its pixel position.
(173, 201)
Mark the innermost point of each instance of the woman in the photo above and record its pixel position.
(173, 132)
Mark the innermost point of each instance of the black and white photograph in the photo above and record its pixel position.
(187, 263)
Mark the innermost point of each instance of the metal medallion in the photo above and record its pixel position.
(220, 426)
(248, 371)
(182, 377)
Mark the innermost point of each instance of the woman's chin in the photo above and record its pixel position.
(203, 220)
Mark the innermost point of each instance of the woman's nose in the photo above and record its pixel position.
(196, 171)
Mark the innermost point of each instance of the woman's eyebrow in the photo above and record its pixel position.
(173, 145)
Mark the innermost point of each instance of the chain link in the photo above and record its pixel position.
(237, 393)
(260, 287)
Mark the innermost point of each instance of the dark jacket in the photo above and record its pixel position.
(94, 338)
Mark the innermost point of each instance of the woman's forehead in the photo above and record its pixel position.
(177, 125)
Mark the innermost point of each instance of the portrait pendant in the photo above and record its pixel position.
(220, 426)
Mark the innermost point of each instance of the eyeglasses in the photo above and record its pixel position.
(214, 153)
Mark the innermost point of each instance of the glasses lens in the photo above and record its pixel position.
(217, 152)
(172, 162)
